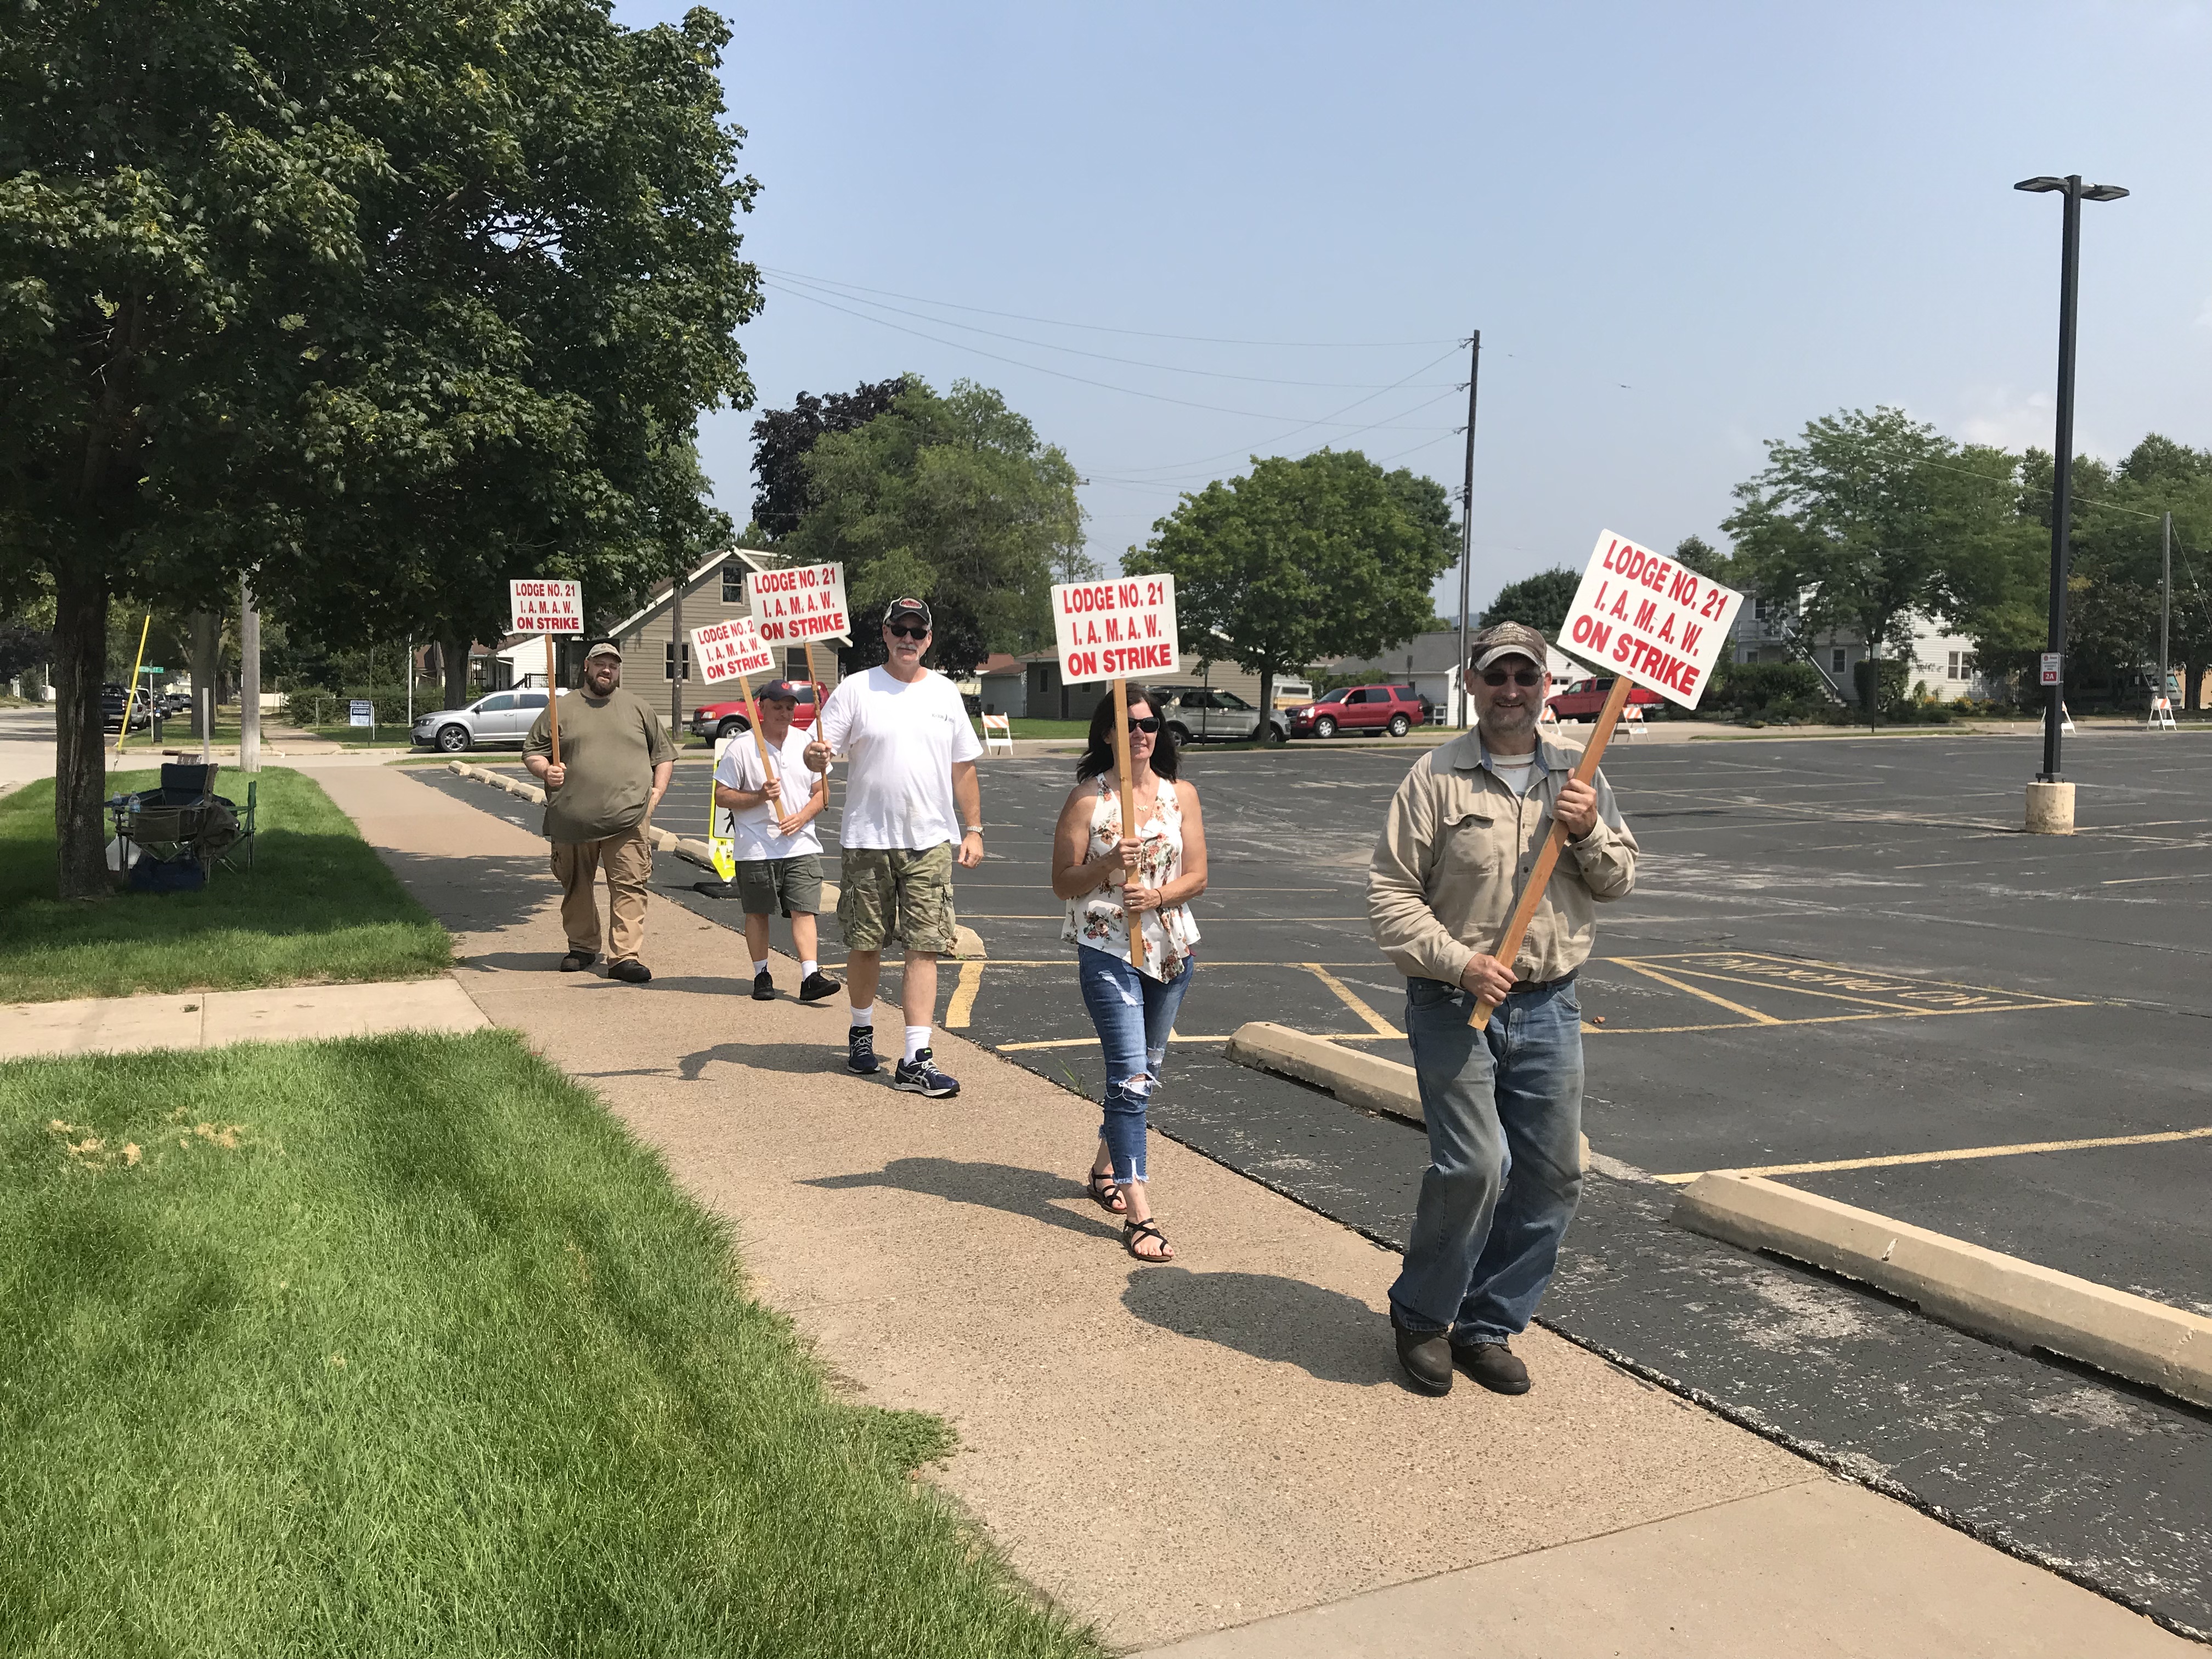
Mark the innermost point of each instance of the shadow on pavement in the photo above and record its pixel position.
(797, 1058)
(1330, 1336)
(1026, 1193)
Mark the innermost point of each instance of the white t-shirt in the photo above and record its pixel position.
(753, 829)
(1513, 771)
(902, 740)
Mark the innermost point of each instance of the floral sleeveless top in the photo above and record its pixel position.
(1096, 920)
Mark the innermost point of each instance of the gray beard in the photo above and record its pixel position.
(1509, 726)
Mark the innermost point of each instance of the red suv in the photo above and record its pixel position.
(1580, 700)
(721, 719)
(1397, 709)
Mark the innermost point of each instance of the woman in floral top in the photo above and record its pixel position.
(1108, 877)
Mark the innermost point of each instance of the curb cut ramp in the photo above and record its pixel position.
(1976, 1290)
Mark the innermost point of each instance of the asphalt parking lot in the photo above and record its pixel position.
(1840, 954)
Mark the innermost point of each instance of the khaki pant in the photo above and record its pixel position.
(627, 858)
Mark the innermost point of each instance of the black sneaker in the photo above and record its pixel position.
(860, 1051)
(576, 961)
(1493, 1365)
(920, 1076)
(818, 984)
(630, 969)
(763, 987)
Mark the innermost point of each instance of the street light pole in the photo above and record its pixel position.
(2061, 492)
(1456, 686)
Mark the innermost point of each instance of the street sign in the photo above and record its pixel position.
(1641, 615)
(731, 650)
(543, 605)
(363, 713)
(799, 605)
(1119, 629)
(153, 668)
(2052, 664)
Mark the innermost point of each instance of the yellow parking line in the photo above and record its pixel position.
(1798, 967)
(1375, 1023)
(1751, 1014)
(1833, 1019)
(1178, 1036)
(1875, 1002)
(961, 1007)
(2159, 1138)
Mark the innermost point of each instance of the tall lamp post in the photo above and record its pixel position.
(2051, 799)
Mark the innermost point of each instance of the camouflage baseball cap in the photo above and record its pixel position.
(1505, 640)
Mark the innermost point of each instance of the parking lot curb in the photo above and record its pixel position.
(1981, 1291)
(1357, 1079)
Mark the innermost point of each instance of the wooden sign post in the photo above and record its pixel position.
(734, 650)
(1110, 630)
(1648, 622)
(550, 606)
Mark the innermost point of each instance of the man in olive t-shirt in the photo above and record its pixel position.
(615, 760)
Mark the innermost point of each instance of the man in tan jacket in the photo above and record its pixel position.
(1503, 1103)
(615, 762)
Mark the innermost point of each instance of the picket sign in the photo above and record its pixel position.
(734, 650)
(2161, 715)
(800, 603)
(547, 605)
(1108, 630)
(721, 849)
(998, 733)
(1644, 619)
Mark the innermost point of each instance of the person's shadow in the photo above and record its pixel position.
(1332, 1337)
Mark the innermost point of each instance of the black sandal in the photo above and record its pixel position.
(1106, 1193)
(1134, 1230)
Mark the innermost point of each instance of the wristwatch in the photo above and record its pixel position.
(975, 830)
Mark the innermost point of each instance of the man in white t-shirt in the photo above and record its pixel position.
(779, 857)
(910, 795)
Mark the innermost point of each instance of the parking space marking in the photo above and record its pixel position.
(1375, 1023)
(1960, 1153)
(1751, 1014)
(961, 1008)
(1870, 988)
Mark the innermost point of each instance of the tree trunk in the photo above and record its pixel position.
(2193, 686)
(80, 748)
(1267, 699)
(203, 671)
(454, 650)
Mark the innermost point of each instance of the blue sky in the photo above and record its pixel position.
(1681, 229)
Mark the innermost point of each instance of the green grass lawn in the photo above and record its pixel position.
(401, 1346)
(318, 906)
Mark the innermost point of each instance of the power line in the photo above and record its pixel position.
(803, 292)
(1102, 328)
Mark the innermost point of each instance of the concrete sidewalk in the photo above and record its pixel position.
(1216, 1454)
(208, 1019)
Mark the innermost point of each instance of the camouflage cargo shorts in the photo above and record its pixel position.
(896, 894)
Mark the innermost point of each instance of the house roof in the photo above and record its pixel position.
(664, 590)
(998, 662)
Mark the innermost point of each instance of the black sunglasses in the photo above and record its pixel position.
(1519, 676)
(908, 633)
(1149, 723)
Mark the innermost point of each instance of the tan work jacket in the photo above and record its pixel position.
(1457, 846)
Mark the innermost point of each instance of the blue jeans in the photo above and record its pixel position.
(1504, 1109)
(1134, 1013)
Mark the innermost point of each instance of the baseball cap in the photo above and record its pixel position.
(779, 691)
(1505, 640)
(603, 648)
(900, 608)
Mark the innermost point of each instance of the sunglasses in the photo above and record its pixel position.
(1149, 723)
(909, 632)
(1518, 676)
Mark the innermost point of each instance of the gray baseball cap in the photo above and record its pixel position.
(1505, 640)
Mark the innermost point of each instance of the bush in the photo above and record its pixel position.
(301, 706)
(1767, 690)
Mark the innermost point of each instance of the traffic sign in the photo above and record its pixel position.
(2052, 661)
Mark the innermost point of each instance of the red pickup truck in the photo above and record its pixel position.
(722, 720)
(1580, 700)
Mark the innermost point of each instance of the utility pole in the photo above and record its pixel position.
(676, 663)
(2165, 600)
(249, 678)
(1458, 684)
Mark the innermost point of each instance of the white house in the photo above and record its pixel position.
(1942, 661)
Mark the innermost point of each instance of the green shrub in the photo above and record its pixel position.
(1767, 690)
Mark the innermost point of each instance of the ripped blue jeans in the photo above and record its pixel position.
(1134, 1014)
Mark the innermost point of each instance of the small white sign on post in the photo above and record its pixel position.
(1120, 629)
(1639, 614)
(363, 713)
(731, 650)
(546, 606)
(2052, 664)
(799, 605)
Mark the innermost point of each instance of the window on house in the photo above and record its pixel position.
(1958, 658)
(668, 662)
(1836, 660)
(734, 582)
(794, 663)
(1759, 608)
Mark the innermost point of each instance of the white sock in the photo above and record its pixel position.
(759, 968)
(863, 1016)
(917, 1039)
(808, 969)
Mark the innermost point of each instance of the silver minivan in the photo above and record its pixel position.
(502, 717)
(1197, 714)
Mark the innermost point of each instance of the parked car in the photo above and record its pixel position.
(1397, 709)
(502, 717)
(1199, 714)
(113, 698)
(723, 720)
(1580, 700)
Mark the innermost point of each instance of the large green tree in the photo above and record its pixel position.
(783, 438)
(1298, 560)
(1541, 601)
(953, 499)
(384, 306)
